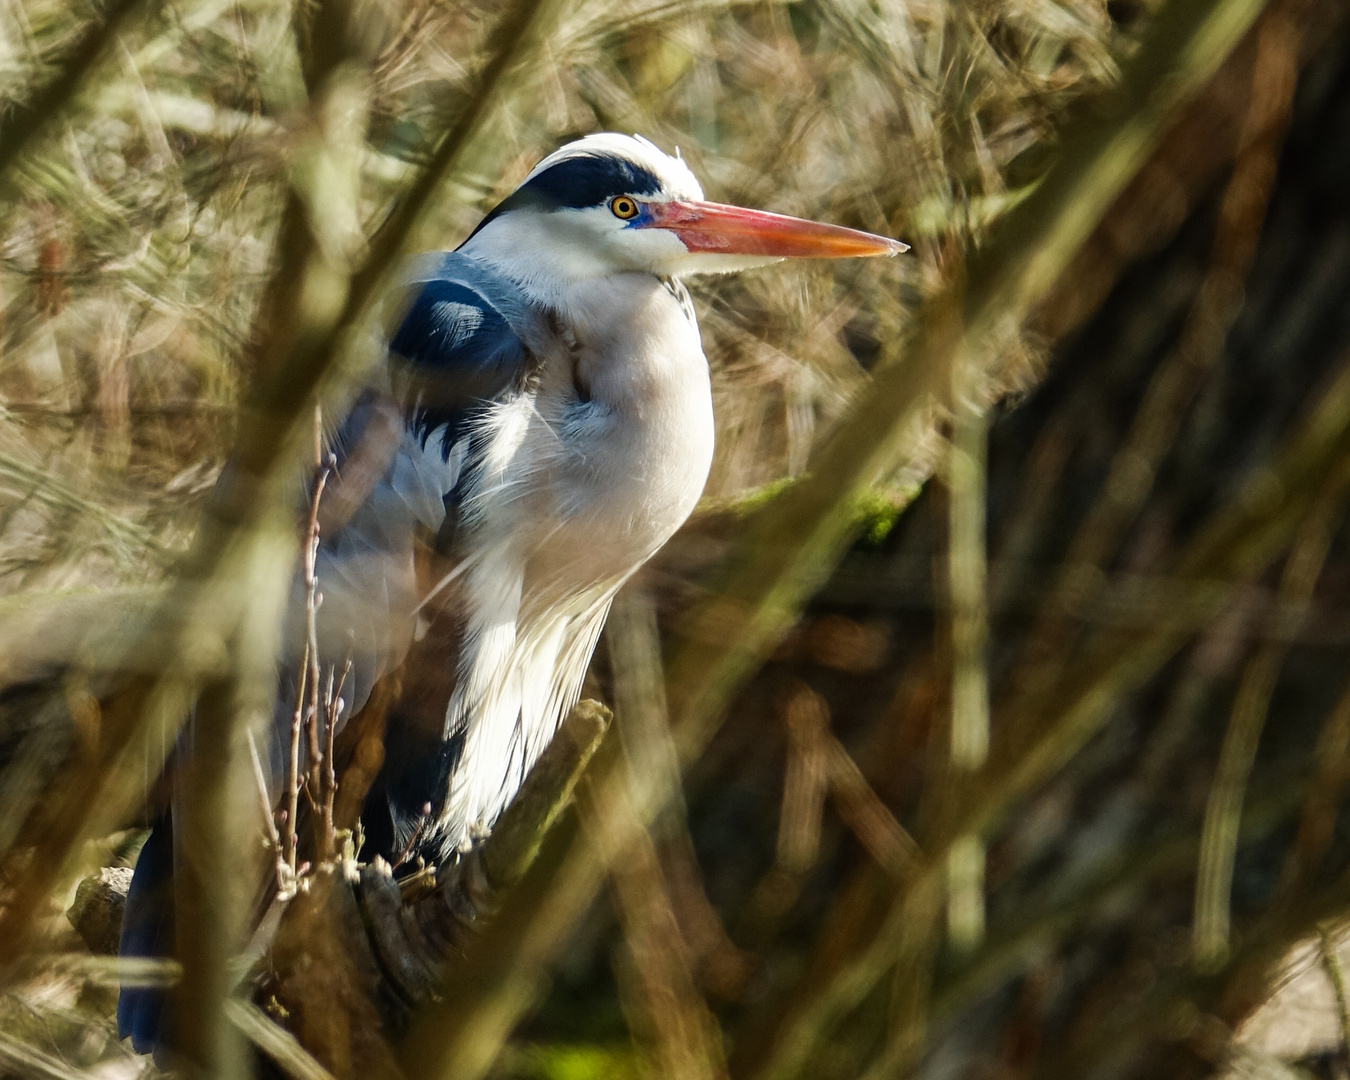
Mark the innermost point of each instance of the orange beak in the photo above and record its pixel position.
(733, 230)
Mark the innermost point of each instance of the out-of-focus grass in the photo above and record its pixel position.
(131, 264)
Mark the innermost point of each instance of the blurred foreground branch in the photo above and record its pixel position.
(786, 553)
(203, 614)
(356, 950)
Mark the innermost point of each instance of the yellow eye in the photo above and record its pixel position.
(623, 207)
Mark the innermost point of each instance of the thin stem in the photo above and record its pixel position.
(265, 803)
(1219, 835)
(313, 714)
(333, 706)
(967, 577)
(293, 770)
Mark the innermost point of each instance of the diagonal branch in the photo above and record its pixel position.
(787, 553)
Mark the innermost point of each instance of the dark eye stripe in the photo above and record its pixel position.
(586, 180)
(577, 183)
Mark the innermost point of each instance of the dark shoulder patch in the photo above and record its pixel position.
(460, 350)
(577, 183)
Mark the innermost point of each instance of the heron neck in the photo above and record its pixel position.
(547, 272)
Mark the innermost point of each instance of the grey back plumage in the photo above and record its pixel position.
(526, 462)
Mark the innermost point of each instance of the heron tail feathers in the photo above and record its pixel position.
(148, 931)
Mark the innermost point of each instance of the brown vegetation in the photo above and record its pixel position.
(1031, 770)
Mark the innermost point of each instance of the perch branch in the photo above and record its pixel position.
(415, 941)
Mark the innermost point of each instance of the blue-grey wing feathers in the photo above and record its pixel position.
(148, 932)
(461, 336)
(458, 348)
(401, 457)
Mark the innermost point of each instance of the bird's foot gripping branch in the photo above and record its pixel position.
(416, 933)
(356, 951)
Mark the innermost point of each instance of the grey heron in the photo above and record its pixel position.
(542, 426)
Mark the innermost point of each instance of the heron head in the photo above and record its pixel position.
(613, 203)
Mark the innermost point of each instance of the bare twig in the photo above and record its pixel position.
(313, 713)
(332, 708)
(805, 782)
(284, 871)
(876, 828)
(294, 773)
(1218, 844)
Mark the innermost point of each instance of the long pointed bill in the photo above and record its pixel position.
(733, 230)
